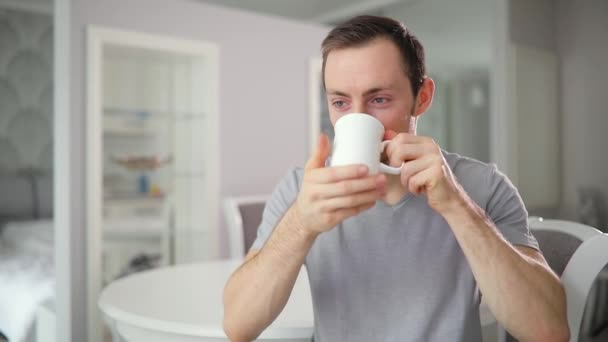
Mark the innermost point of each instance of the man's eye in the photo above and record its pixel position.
(380, 100)
(338, 104)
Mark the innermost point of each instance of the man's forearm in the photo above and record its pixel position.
(257, 292)
(524, 295)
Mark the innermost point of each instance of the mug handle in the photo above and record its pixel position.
(391, 170)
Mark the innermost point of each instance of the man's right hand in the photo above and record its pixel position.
(329, 195)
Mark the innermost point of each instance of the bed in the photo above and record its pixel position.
(26, 251)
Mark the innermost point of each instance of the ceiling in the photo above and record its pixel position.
(322, 11)
(457, 34)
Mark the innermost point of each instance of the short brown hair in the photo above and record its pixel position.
(363, 29)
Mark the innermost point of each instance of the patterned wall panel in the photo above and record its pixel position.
(26, 91)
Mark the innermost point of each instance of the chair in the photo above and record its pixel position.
(559, 240)
(577, 253)
(243, 216)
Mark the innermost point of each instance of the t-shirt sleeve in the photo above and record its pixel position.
(507, 210)
(280, 200)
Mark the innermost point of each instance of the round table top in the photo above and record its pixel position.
(187, 300)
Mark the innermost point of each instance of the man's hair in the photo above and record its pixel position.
(361, 30)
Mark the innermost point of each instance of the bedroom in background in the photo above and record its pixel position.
(26, 170)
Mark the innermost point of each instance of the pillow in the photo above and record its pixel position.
(44, 195)
(16, 197)
(25, 196)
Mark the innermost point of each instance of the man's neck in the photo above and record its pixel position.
(394, 190)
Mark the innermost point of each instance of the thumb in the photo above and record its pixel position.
(320, 153)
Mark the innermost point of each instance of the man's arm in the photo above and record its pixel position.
(522, 292)
(257, 292)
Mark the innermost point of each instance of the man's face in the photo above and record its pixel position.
(370, 79)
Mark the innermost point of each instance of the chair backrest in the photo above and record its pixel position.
(558, 240)
(243, 216)
(578, 253)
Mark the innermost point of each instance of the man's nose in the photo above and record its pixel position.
(359, 107)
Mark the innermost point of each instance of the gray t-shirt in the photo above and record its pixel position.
(397, 273)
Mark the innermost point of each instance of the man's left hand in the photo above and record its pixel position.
(424, 169)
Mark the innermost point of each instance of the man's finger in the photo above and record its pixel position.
(348, 212)
(353, 186)
(320, 153)
(409, 138)
(336, 174)
(399, 153)
(351, 201)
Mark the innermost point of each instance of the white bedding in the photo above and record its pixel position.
(26, 274)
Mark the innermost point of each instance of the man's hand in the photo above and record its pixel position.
(424, 169)
(330, 195)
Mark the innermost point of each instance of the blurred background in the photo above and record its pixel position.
(563, 112)
(125, 125)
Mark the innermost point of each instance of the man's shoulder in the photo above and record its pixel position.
(297, 174)
(292, 180)
(467, 168)
(476, 177)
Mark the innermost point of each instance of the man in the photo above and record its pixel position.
(395, 258)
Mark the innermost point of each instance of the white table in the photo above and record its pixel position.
(184, 304)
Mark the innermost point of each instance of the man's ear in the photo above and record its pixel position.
(425, 96)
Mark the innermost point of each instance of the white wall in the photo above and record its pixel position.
(263, 105)
(536, 128)
(469, 114)
(576, 30)
(581, 31)
(532, 23)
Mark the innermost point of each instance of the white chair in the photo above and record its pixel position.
(243, 215)
(577, 253)
(583, 269)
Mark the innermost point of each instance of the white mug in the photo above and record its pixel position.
(358, 140)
